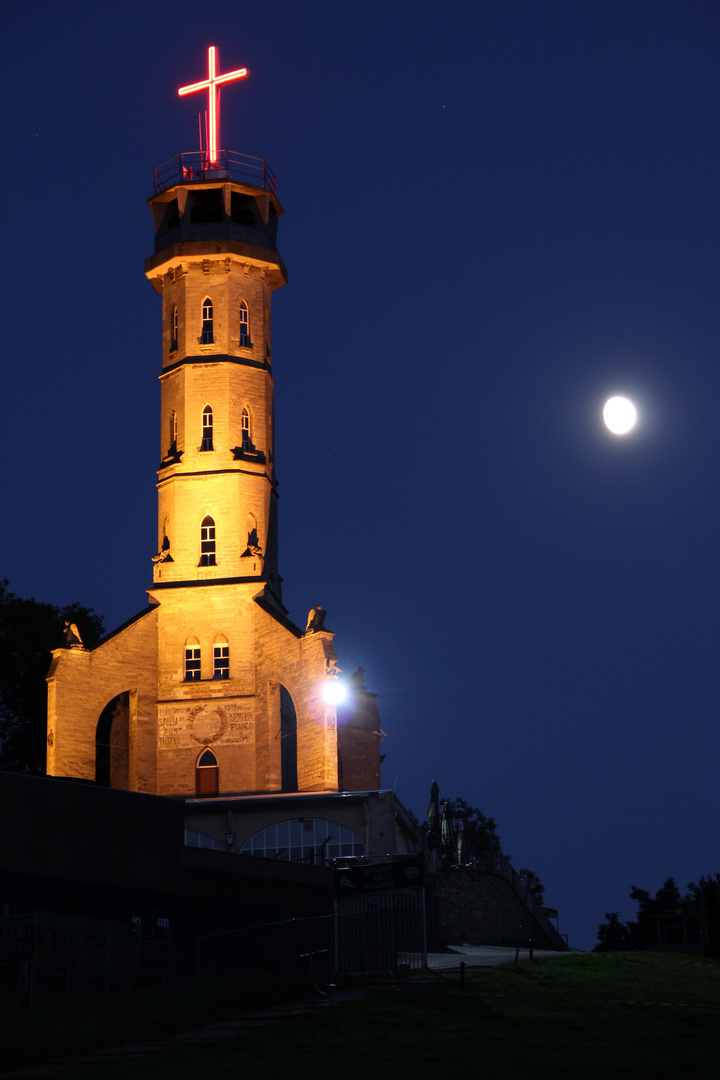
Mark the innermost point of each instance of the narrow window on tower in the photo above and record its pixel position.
(245, 425)
(192, 660)
(173, 432)
(221, 658)
(207, 542)
(174, 329)
(207, 429)
(245, 342)
(206, 338)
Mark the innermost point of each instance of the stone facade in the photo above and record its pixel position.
(213, 690)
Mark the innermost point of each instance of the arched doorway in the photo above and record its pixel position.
(207, 774)
(288, 742)
(112, 743)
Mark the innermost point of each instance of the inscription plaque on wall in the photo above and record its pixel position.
(204, 723)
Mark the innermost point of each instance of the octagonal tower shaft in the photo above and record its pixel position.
(216, 266)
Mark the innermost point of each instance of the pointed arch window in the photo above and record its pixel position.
(173, 432)
(245, 428)
(207, 774)
(245, 342)
(221, 658)
(207, 429)
(174, 329)
(207, 542)
(206, 337)
(192, 660)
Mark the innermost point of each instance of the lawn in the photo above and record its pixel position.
(584, 1016)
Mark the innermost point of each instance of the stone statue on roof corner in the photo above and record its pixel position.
(316, 620)
(71, 635)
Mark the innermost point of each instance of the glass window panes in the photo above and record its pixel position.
(244, 326)
(194, 838)
(207, 542)
(192, 665)
(206, 337)
(207, 429)
(221, 662)
(311, 840)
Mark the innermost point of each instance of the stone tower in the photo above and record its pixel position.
(212, 689)
(216, 266)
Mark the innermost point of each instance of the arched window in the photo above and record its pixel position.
(206, 774)
(206, 338)
(207, 429)
(245, 426)
(221, 658)
(207, 542)
(312, 840)
(245, 342)
(174, 329)
(173, 432)
(192, 660)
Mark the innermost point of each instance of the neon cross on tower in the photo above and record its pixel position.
(212, 84)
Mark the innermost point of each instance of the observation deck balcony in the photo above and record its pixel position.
(195, 167)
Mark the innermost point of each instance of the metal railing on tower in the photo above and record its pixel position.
(195, 165)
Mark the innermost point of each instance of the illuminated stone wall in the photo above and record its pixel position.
(171, 722)
(81, 683)
(359, 736)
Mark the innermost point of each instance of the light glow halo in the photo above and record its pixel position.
(620, 415)
(334, 692)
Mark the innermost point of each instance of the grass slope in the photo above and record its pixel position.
(629, 1015)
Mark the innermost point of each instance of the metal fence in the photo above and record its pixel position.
(382, 931)
(50, 956)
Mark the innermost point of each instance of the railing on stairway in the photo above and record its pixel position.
(500, 865)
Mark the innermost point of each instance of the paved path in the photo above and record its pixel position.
(484, 956)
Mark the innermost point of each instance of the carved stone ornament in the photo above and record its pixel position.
(208, 723)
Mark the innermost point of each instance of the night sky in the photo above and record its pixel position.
(497, 213)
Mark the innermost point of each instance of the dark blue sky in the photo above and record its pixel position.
(497, 214)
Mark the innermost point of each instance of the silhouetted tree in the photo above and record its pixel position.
(534, 885)
(614, 936)
(667, 919)
(29, 630)
(481, 836)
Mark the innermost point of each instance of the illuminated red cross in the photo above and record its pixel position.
(212, 84)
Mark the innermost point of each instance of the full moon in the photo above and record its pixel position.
(619, 415)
